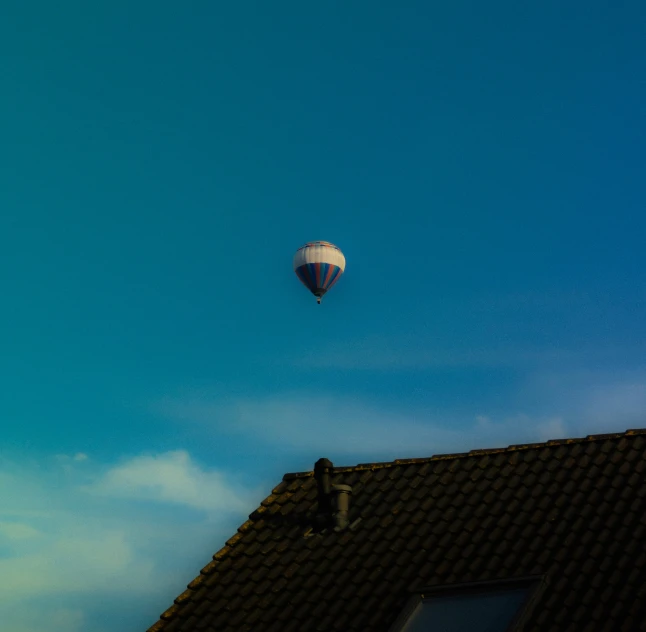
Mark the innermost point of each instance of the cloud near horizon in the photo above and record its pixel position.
(550, 405)
(353, 430)
(72, 540)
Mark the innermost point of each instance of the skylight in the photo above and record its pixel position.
(491, 609)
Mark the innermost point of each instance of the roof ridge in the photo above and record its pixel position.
(461, 455)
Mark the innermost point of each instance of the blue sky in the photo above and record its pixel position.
(482, 168)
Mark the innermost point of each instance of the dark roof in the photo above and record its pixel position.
(573, 511)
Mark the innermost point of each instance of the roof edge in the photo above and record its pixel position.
(462, 455)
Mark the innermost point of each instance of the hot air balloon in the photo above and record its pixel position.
(319, 265)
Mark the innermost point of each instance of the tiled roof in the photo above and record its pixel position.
(573, 511)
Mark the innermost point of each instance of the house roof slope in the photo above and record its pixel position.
(572, 511)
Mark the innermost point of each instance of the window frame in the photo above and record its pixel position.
(535, 585)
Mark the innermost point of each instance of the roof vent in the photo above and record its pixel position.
(322, 470)
(333, 500)
(341, 505)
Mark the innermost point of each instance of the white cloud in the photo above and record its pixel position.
(172, 477)
(520, 428)
(69, 463)
(553, 428)
(50, 620)
(591, 401)
(72, 540)
(549, 405)
(71, 563)
(352, 429)
(17, 531)
(623, 400)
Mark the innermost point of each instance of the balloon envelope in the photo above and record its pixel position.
(319, 265)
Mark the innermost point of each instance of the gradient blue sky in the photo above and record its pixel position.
(481, 165)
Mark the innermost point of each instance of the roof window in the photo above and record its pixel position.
(485, 607)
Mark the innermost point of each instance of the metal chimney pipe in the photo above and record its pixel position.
(341, 505)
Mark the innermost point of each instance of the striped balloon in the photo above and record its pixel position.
(319, 265)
